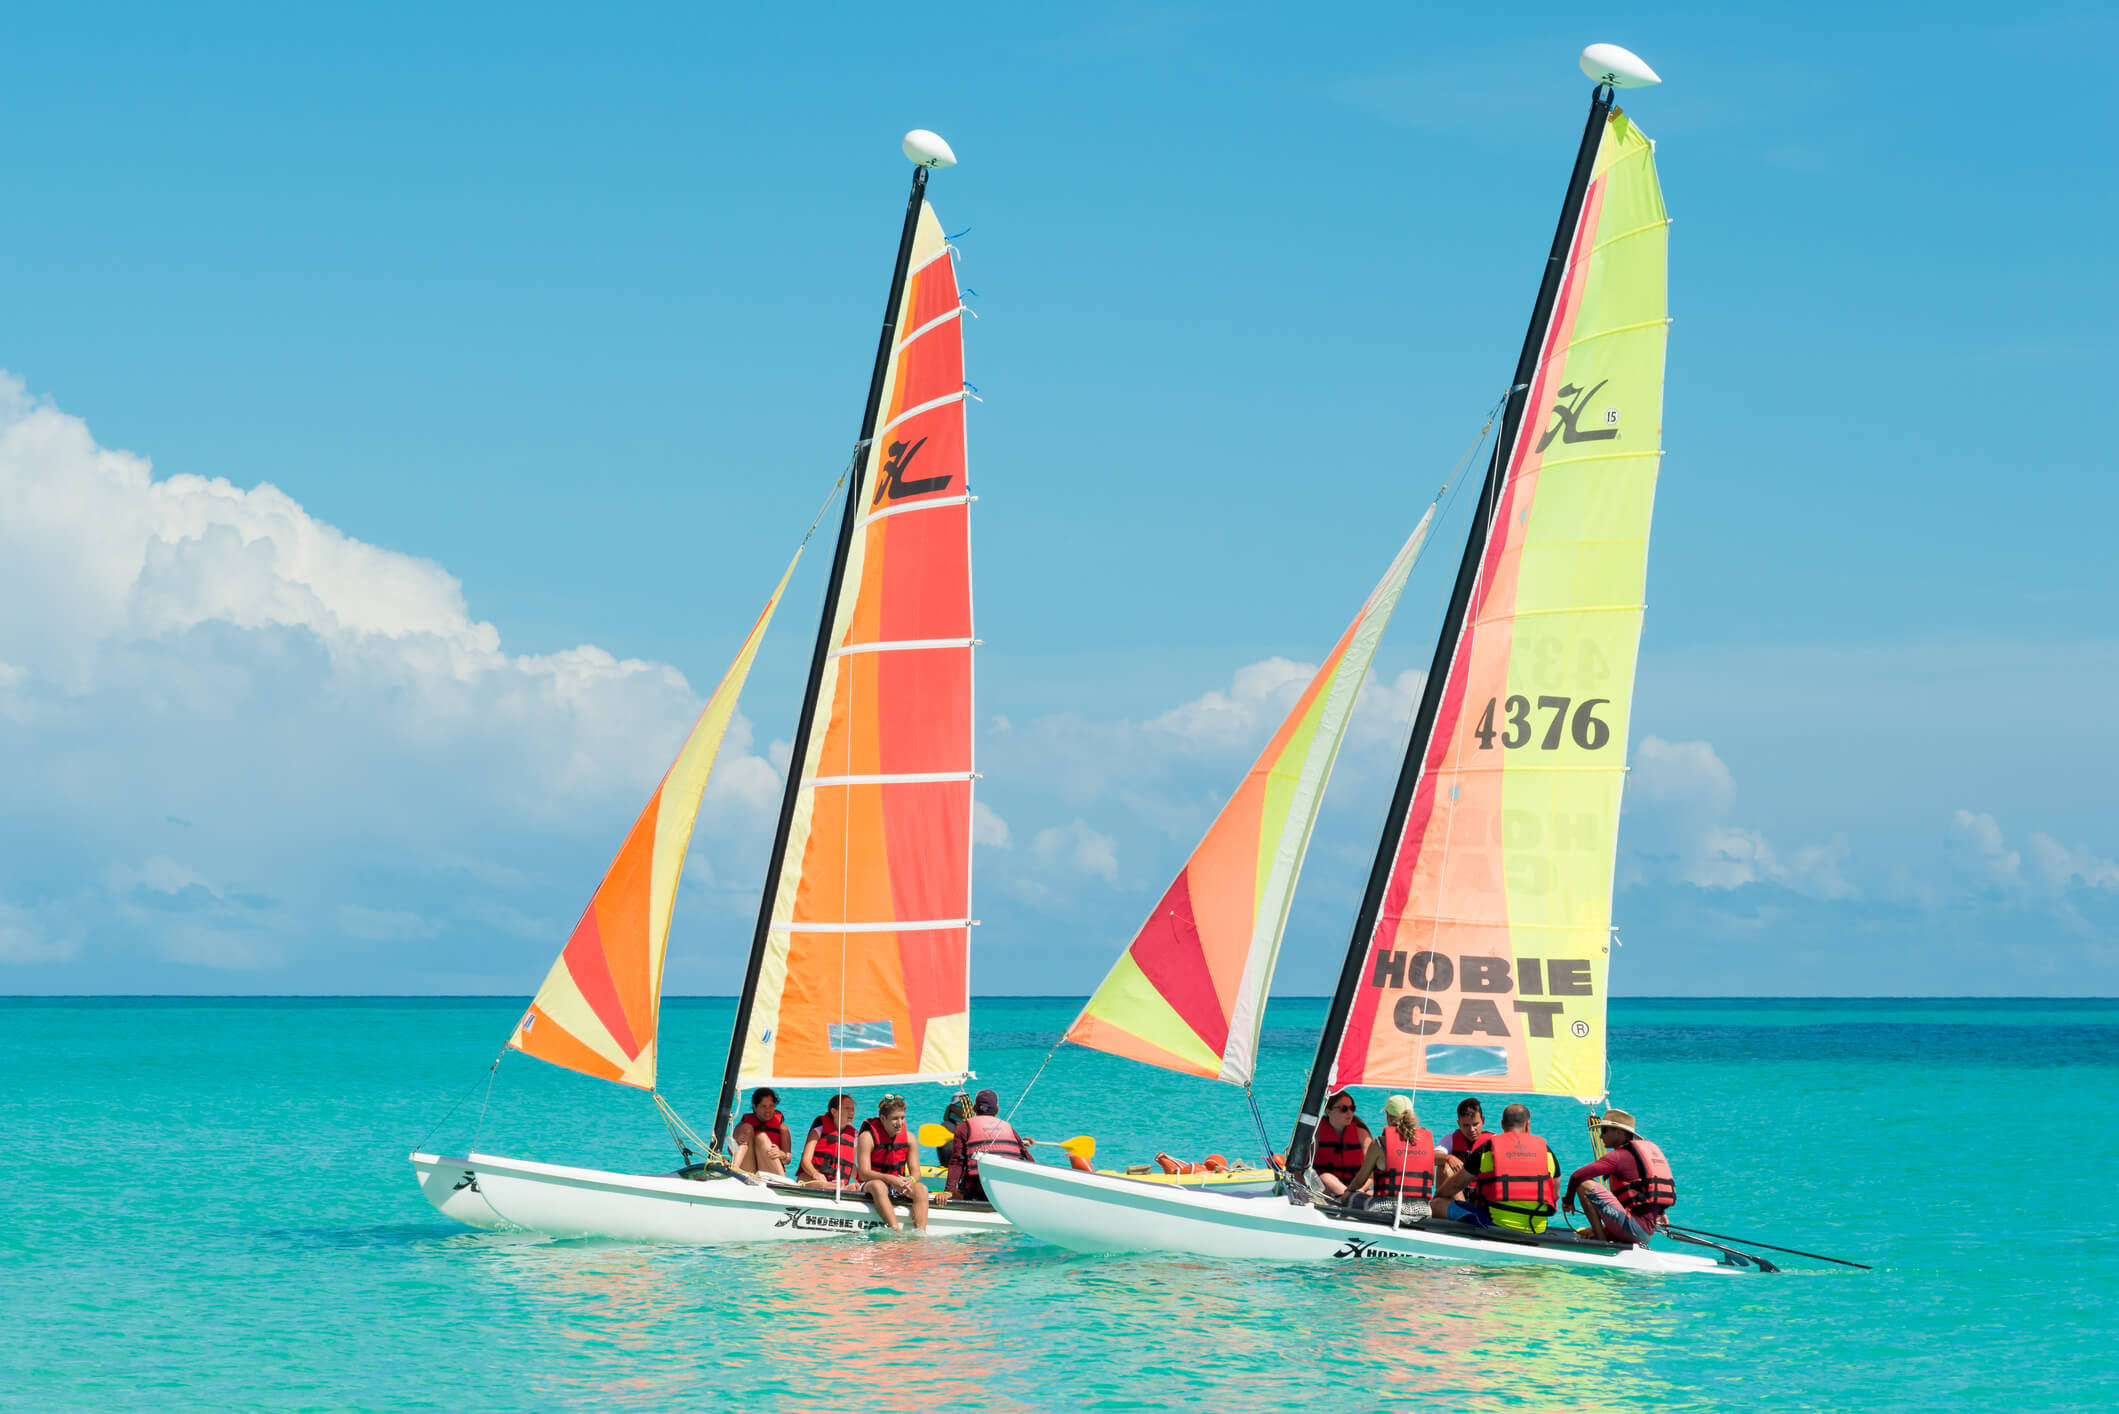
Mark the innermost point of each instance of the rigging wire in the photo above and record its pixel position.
(450, 1113)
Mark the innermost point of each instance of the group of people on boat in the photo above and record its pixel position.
(1509, 1180)
(880, 1157)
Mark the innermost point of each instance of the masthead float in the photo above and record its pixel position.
(1478, 954)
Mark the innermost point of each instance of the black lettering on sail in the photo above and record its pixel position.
(1569, 977)
(1483, 974)
(1478, 1017)
(1406, 1016)
(1541, 1015)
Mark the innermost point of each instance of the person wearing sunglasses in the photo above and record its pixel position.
(1342, 1144)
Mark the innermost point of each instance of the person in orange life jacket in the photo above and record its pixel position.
(1403, 1165)
(1624, 1194)
(1342, 1143)
(985, 1132)
(887, 1164)
(1470, 1130)
(1514, 1175)
(762, 1142)
(828, 1151)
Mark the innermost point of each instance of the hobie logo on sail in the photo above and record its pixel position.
(1567, 415)
(893, 484)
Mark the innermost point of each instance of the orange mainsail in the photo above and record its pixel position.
(863, 974)
(598, 1007)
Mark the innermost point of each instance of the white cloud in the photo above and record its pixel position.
(1678, 797)
(313, 711)
(1976, 840)
(987, 827)
(1081, 848)
(25, 941)
(1258, 697)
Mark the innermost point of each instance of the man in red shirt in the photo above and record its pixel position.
(1625, 1193)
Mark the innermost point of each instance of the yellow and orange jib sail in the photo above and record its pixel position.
(599, 1005)
(1189, 993)
(864, 973)
(1486, 969)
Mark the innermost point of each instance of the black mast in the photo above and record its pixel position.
(854, 482)
(1357, 949)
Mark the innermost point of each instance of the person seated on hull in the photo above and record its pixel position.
(887, 1164)
(762, 1142)
(1402, 1167)
(1513, 1176)
(959, 1107)
(983, 1132)
(828, 1150)
(1624, 1194)
(1341, 1144)
(1470, 1131)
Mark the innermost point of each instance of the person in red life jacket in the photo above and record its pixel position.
(985, 1132)
(762, 1142)
(959, 1107)
(828, 1150)
(1512, 1178)
(1470, 1130)
(887, 1164)
(1624, 1194)
(1341, 1144)
(1403, 1165)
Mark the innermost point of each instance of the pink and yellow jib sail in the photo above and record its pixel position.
(1189, 993)
(1486, 967)
(863, 974)
(598, 1007)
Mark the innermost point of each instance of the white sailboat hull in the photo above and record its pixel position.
(1086, 1212)
(518, 1195)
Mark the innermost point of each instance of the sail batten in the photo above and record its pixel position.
(1189, 993)
(1486, 964)
(599, 1007)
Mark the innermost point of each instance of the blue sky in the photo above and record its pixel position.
(526, 342)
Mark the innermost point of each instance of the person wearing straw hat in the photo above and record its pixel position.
(1624, 1194)
(1404, 1165)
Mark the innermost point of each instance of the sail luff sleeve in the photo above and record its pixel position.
(864, 969)
(1188, 994)
(1488, 963)
(599, 1007)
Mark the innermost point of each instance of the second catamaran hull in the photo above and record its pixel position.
(518, 1195)
(1091, 1213)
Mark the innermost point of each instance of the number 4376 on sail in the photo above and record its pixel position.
(1588, 729)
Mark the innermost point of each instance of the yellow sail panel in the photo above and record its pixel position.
(864, 973)
(1487, 966)
(1189, 993)
(598, 1008)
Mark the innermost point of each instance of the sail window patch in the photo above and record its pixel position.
(861, 1036)
(1466, 1061)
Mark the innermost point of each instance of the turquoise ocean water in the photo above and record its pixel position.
(207, 1206)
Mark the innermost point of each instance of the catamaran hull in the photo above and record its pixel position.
(1086, 1212)
(518, 1195)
